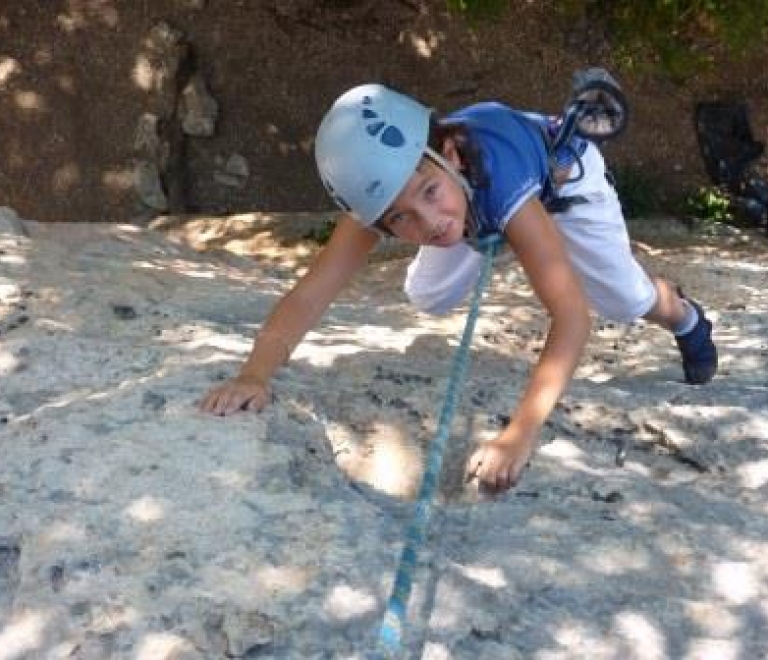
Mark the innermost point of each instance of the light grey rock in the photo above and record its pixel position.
(133, 526)
(198, 109)
(149, 186)
(147, 134)
(234, 172)
(229, 180)
(11, 223)
(158, 62)
(237, 165)
(150, 143)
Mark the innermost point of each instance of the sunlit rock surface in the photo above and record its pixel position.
(134, 527)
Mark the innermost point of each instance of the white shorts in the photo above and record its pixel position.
(597, 242)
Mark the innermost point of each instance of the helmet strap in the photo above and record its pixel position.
(452, 171)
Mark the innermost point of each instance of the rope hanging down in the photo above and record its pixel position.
(389, 643)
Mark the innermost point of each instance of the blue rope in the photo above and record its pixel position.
(389, 643)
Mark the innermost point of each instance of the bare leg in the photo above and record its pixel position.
(669, 309)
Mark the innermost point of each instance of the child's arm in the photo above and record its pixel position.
(536, 240)
(293, 316)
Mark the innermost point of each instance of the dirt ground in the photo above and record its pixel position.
(71, 94)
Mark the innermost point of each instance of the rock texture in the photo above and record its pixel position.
(134, 527)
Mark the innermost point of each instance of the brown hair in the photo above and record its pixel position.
(469, 152)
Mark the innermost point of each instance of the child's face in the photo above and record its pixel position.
(431, 209)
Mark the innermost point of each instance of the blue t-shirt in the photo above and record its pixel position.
(514, 159)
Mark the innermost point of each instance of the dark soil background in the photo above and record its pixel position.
(70, 101)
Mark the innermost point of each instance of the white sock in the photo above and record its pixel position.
(688, 322)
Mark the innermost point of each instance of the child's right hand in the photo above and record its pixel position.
(239, 393)
(498, 465)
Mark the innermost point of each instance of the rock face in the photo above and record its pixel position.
(134, 527)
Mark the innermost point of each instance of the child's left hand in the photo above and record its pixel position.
(498, 464)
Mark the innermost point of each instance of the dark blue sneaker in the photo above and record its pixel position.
(698, 350)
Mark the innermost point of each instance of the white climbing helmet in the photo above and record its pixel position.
(367, 147)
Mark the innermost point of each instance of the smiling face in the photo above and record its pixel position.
(432, 208)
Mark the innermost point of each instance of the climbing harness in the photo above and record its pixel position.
(389, 643)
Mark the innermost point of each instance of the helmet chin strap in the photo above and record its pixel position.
(454, 173)
(459, 178)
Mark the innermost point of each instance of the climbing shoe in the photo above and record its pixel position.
(698, 350)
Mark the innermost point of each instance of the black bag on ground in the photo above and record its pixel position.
(732, 156)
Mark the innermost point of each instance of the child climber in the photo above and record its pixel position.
(441, 183)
